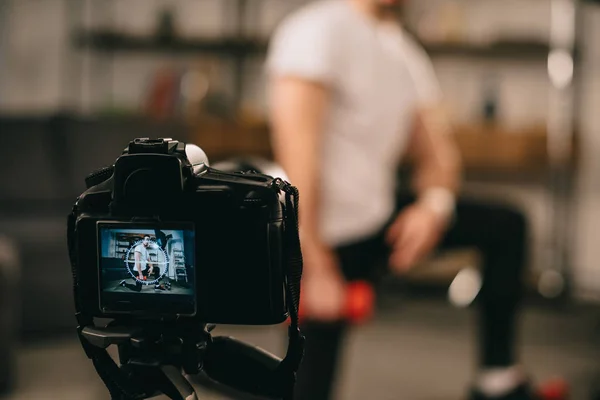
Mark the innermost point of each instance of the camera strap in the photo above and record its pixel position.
(294, 263)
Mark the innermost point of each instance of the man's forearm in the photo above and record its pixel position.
(438, 162)
(138, 266)
(438, 167)
(433, 173)
(437, 181)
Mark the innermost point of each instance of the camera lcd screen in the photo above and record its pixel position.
(147, 268)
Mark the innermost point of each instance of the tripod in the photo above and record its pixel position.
(169, 358)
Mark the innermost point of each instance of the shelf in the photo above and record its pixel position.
(112, 41)
(108, 41)
(500, 50)
(489, 149)
(222, 139)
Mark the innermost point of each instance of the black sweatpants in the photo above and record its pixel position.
(498, 232)
(137, 286)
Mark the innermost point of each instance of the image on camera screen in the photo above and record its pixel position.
(146, 260)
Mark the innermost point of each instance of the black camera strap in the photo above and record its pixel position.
(294, 263)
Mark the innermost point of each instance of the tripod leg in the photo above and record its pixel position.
(180, 389)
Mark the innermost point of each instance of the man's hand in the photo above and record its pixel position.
(414, 234)
(323, 286)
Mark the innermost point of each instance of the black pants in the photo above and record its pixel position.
(498, 232)
(137, 286)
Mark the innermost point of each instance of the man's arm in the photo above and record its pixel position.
(138, 258)
(150, 265)
(430, 148)
(436, 180)
(436, 159)
(302, 65)
(298, 109)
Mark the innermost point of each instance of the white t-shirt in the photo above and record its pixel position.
(378, 76)
(143, 255)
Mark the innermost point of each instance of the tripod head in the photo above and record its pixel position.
(160, 359)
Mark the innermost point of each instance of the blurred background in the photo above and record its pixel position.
(80, 78)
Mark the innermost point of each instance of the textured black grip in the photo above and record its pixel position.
(245, 368)
(97, 177)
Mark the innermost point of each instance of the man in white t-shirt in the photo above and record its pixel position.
(142, 258)
(351, 94)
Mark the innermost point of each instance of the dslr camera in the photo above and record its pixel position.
(162, 246)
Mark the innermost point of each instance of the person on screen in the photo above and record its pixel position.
(142, 259)
(142, 262)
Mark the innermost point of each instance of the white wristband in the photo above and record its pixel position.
(439, 200)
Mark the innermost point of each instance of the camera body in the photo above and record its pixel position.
(162, 235)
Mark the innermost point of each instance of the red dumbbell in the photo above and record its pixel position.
(556, 389)
(360, 303)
